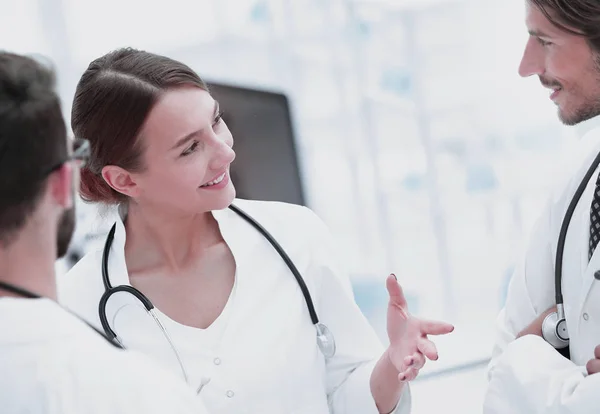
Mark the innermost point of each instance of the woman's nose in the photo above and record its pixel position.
(224, 155)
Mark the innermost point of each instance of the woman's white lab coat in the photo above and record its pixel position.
(260, 355)
(528, 375)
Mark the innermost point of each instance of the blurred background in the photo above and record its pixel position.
(403, 124)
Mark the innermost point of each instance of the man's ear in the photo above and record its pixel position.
(120, 180)
(61, 184)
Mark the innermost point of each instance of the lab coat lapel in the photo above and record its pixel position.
(579, 346)
(581, 218)
(576, 264)
(588, 274)
(117, 267)
(239, 236)
(117, 273)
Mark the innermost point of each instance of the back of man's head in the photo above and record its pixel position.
(32, 139)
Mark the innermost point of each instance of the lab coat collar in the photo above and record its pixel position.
(116, 258)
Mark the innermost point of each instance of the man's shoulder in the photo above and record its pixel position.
(72, 369)
(128, 377)
(572, 166)
(81, 288)
(105, 378)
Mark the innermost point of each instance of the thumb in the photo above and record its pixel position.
(395, 291)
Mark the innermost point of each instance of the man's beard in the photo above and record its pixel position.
(588, 109)
(66, 227)
(585, 112)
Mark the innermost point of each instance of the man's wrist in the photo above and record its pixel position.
(531, 330)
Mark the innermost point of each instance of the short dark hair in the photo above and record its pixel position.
(112, 101)
(579, 17)
(33, 138)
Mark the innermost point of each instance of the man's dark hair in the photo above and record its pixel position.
(32, 138)
(579, 17)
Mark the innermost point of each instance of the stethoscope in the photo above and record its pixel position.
(554, 326)
(325, 339)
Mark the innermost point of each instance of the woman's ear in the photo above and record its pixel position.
(120, 180)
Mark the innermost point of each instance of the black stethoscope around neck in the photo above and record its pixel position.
(325, 339)
(554, 326)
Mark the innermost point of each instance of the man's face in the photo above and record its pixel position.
(66, 224)
(66, 227)
(565, 64)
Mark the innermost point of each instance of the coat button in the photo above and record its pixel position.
(217, 361)
(230, 394)
(586, 316)
(597, 274)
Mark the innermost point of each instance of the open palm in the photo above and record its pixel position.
(409, 344)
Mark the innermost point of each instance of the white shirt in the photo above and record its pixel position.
(261, 354)
(53, 363)
(528, 375)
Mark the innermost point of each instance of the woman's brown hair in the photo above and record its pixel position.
(112, 101)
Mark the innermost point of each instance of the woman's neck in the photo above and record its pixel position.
(162, 239)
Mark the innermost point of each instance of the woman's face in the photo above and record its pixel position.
(187, 154)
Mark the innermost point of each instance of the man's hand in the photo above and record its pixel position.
(535, 327)
(593, 365)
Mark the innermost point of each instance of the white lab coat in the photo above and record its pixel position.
(260, 355)
(53, 363)
(528, 375)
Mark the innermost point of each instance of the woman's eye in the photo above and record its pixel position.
(218, 119)
(191, 149)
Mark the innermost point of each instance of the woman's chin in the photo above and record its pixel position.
(224, 198)
(218, 199)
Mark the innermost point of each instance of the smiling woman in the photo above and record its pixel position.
(229, 306)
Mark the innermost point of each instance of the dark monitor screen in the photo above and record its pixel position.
(266, 164)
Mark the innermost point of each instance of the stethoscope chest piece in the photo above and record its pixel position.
(554, 330)
(325, 340)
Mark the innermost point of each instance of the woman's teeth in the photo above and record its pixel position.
(217, 181)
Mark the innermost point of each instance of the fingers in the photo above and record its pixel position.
(593, 366)
(436, 328)
(427, 348)
(408, 375)
(395, 291)
(597, 352)
(417, 361)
